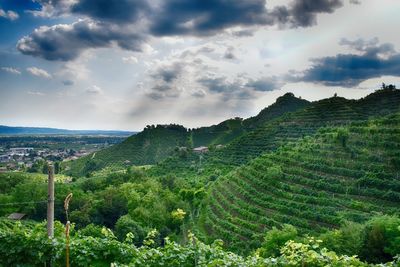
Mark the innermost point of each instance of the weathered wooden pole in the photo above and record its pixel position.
(67, 227)
(50, 202)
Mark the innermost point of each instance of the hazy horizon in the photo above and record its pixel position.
(127, 64)
(172, 122)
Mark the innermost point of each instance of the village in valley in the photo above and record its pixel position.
(28, 155)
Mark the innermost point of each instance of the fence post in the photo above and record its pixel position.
(50, 202)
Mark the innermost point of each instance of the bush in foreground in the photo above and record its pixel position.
(29, 246)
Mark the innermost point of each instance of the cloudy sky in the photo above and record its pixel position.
(123, 64)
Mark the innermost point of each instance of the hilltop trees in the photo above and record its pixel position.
(388, 87)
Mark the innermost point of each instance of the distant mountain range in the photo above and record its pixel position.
(9, 130)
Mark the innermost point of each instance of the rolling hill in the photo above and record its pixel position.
(316, 183)
(153, 144)
(333, 111)
(156, 143)
(230, 129)
(273, 133)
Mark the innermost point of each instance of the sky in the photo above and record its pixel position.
(125, 64)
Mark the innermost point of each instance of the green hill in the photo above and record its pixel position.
(284, 104)
(222, 133)
(156, 143)
(230, 129)
(316, 183)
(151, 145)
(277, 131)
(333, 111)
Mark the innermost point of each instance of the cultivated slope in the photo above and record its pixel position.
(289, 127)
(230, 129)
(340, 173)
(273, 133)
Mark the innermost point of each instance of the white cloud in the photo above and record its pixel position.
(131, 59)
(149, 50)
(173, 40)
(37, 93)
(11, 15)
(94, 90)
(10, 70)
(39, 72)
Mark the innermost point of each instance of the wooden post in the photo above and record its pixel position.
(50, 202)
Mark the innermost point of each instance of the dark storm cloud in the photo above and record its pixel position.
(121, 11)
(349, 70)
(66, 42)
(265, 84)
(115, 21)
(304, 12)
(206, 17)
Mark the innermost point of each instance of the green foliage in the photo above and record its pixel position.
(382, 239)
(348, 240)
(126, 225)
(275, 239)
(377, 240)
(342, 135)
(29, 246)
(178, 215)
(312, 254)
(91, 230)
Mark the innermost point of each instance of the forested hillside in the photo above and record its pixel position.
(151, 145)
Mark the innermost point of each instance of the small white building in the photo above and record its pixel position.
(200, 149)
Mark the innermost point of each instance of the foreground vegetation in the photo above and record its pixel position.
(22, 245)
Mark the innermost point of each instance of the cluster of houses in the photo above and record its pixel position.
(17, 157)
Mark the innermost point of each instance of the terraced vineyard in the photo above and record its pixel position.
(230, 129)
(333, 111)
(338, 174)
(278, 131)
